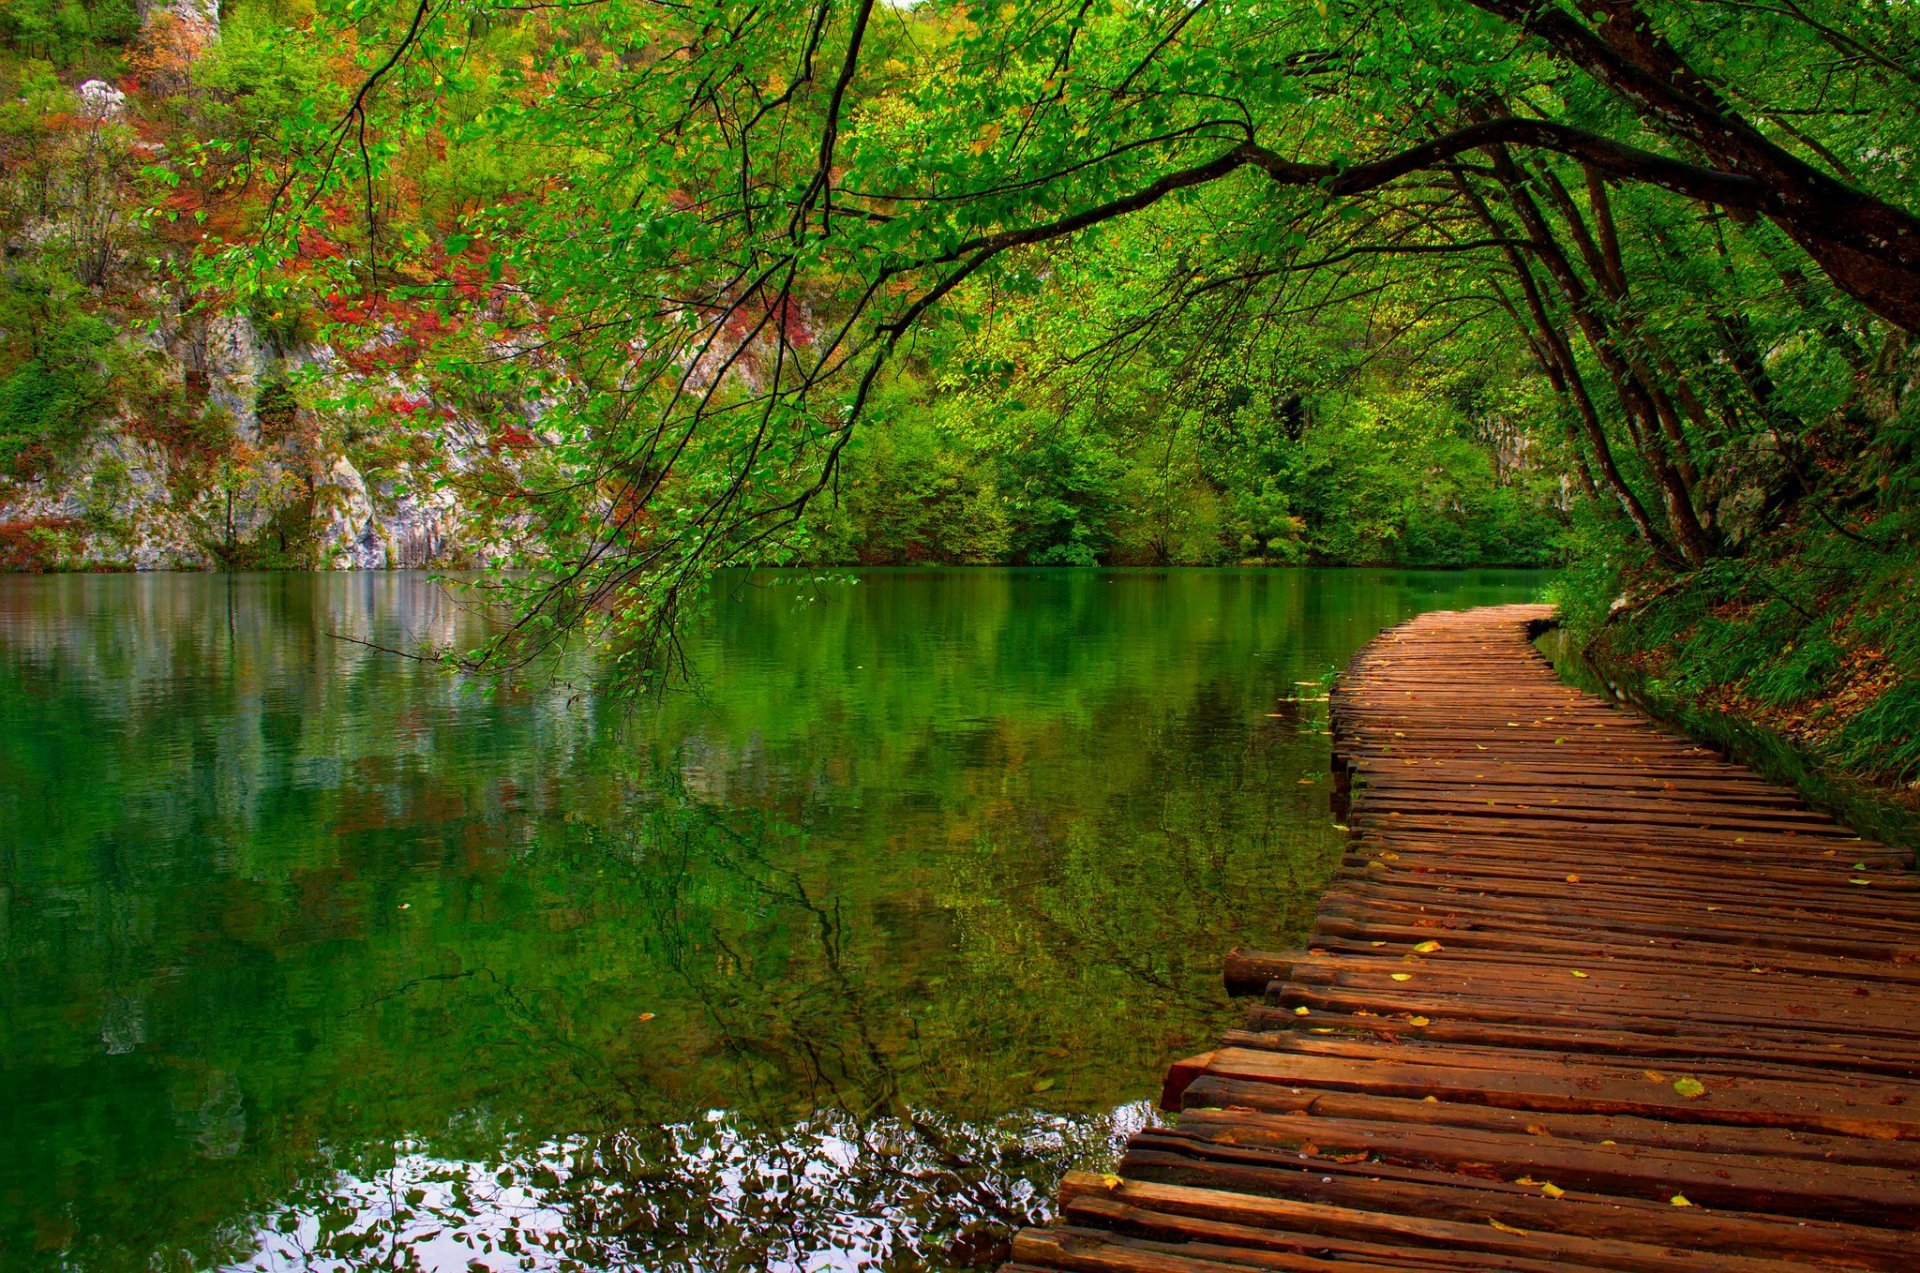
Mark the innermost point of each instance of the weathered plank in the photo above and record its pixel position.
(1583, 995)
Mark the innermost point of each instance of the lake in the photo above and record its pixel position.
(319, 958)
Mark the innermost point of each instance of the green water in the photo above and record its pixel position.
(314, 958)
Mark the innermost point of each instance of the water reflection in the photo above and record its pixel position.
(311, 952)
(719, 1193)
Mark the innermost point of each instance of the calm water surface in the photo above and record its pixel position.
(315, 958)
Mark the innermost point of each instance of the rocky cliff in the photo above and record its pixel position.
(148, 423)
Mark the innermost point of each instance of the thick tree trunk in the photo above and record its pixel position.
(1869, 248)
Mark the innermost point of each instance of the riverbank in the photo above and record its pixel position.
(1801, 658)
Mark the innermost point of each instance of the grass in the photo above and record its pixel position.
(1802, 657)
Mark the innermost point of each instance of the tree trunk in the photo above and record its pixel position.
(1869, 248)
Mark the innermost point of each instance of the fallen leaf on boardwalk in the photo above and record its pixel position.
(1653, 1076)
(1403, 976)
(1578, 973)
(1573, 879)
(1431, 1100)
(1535, 1129)
(1427, 947)
(1857, 880)
(1505, 1228)
(1552, 1190)
(1419, 1021)
(1690, 1087)
(1349, 1158)
(1300, 1012)
(1680, 1200)
(1859, 866)
(1110, 1181)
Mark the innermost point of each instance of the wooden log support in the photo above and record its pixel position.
(1582, 995)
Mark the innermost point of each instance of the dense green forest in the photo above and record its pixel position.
(621, 292)
(990, 440)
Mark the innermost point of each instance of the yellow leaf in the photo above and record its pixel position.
(1691, 1088)
(1109, 1181)
(1553, 1190)
(1505, 1228)
(1573, 879)
(1427, 947)
(1403, 976)
(1680, 1200)
(1418, 1021)
(1431, 1100)
(1300, 1012)
(1578, 973)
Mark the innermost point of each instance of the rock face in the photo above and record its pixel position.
(100, 100)
(258, 480)
(237, 362)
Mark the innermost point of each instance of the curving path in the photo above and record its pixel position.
(1584, 996)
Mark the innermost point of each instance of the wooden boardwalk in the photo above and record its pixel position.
(1583, 996)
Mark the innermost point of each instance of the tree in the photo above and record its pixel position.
(745, 212)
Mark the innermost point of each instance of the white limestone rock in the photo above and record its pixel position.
(101, 101)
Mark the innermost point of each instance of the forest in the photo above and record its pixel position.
(707, 634)
(613, 294)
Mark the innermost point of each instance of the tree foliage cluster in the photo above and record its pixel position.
(1291, 255)
(408, 213)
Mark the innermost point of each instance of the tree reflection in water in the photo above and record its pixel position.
(315, 959)
(722, 1193)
